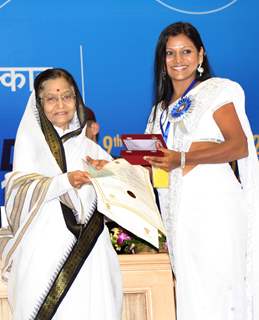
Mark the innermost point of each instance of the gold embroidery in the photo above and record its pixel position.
(8, 193)
(37, 191)
(17, 207)
(29, 220)
(147, 231)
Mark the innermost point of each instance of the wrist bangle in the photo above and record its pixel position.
(182, 160)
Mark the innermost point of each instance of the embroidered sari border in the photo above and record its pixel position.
(71, 267)
(44, 190)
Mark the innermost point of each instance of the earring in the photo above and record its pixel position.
(200, 69)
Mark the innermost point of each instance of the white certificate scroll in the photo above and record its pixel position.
(125, 195)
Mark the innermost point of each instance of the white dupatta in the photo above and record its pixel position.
(204, 95)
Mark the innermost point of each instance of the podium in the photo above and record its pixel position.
(147, 285)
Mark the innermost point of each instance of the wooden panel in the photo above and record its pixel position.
(149, 274)
(5, 313)
(135, 306)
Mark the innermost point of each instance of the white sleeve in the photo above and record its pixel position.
(231, 92)
(61, 188)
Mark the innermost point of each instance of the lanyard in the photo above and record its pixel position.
(166, 132)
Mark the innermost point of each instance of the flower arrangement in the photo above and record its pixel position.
(125, 242)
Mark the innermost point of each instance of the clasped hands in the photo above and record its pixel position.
(78, 178)
(169, 161)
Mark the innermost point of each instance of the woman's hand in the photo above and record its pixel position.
(78, 178)
(169, 161)
(97, 164)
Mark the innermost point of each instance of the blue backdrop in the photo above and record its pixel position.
(108, 46)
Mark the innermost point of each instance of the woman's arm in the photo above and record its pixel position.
(233, 148)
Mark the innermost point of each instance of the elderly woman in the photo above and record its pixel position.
(59, 263)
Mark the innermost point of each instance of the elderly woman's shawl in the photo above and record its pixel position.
(39, 180)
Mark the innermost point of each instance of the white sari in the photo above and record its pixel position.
(212, 220)
(40, 240)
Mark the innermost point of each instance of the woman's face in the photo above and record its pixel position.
(182, 58)
(58, 101)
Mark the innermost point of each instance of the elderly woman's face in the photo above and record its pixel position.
(58, 101)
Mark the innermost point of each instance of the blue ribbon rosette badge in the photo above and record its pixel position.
(182, 108)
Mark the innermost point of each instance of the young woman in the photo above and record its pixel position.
(207, 211)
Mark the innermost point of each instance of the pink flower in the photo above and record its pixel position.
(123, 236)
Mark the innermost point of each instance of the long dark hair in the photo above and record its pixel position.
(162, 83)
